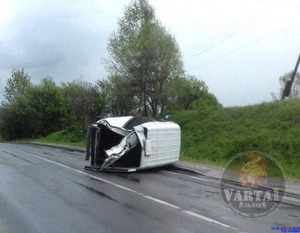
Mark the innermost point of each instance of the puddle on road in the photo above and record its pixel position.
(96, 191)
(46, 153)
(130, 178)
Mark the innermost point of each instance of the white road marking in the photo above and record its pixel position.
(207, 219)
(161, 202)
(204, 218)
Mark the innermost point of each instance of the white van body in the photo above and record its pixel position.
(132, 143)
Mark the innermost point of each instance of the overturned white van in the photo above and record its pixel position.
(132, 143)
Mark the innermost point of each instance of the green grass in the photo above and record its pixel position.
(215, 135)
(71, 136)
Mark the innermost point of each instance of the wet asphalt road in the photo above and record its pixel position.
(46, 190)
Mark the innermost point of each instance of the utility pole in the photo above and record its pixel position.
(288, 86)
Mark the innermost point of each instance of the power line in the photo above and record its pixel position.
(247, 45)
(222, 39)
(208, 40)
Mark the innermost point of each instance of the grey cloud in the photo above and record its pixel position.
(59, 41)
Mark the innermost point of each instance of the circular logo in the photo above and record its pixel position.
(252, 184)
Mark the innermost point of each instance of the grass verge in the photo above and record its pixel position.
(71, 136)
(215, 135)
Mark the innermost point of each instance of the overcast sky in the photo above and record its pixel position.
(238, 47)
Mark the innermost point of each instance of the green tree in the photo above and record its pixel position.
(119, 96)
(13, 118)
(16, 85)
(83, 102)
(12, 121)
(188, 93)
(146, 54)
(44, 107)
(37, 112)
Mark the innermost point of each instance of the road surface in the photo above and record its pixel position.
(46, 190)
